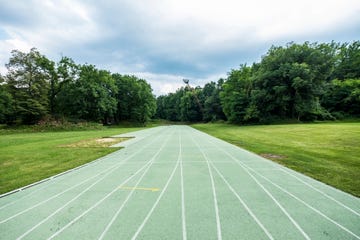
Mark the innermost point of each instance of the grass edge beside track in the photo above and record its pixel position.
(28, 158)
(328, 152)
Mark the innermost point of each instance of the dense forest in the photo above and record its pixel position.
(36, 88)
(305, 82)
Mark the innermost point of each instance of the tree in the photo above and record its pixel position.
(190, 108)
(342, 97)
(160, 107)
(212, 104)
(236, 94)
(124, 96)
(348, 63)
(290, 80)
(192, 104)
(172, 105)
(135, 101)
(28, 84)
(169, 106)
(49, 72)
(146, 103)
(6, 103)
(90, 96)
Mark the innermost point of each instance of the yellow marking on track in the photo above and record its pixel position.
(140, 188)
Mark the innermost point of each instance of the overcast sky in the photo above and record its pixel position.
(164, 41)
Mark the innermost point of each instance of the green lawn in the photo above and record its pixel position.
(29, 157)
(329, 152)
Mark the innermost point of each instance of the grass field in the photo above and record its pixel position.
(27, 157)
(329, 152)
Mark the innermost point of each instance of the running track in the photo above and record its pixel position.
(178, 183)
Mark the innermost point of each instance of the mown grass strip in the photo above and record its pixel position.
(26, 158)
(329, 152)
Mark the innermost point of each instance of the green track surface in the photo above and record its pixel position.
(178, 183)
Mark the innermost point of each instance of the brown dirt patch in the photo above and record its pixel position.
(93, 143)
(272, 156)
(106, 140)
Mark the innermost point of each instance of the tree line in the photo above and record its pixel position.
(37, 88)
(309, 81)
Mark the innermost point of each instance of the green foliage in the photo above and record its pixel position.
(37, 88)
(135, 100)
(28, 85)
(189, 104)
(235, 96)
(295, 81)
(343, 97)
(91, 96)
(290, 81)
(6, 103)
(348, 61)
(213, 110)
(168, 106)
(190, 109)
(51, 77)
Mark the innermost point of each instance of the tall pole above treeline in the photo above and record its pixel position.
(186, 81)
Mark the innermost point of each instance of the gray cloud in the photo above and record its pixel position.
(168, 40)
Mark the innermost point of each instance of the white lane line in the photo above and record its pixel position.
(277, 203)
(244, 204)
(111, 168)
(185, 162)
(109, 194)
(61, 208)
(308, 205)
(97, 203)
(157, 200)
(218, 225)
(184, 233)
(268, 193)
(321, 192)
(45, 201)
(123, 204)
(27, 195)
(295, 197)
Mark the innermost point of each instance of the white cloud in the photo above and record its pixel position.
(221, 24)
(289, 19)
(52, 27)
(55, 25)
(187, 35)
(7, 46)
(165, 83)
(161, 83)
